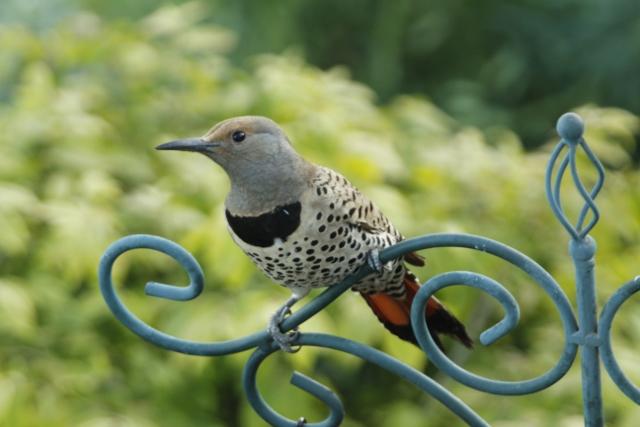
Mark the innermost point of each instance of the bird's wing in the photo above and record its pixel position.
(356, 209)
(349, 205)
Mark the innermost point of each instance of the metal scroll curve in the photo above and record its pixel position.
(143, 330)
(518, 259)
(383, 360)
(249, 377)
(606, 350)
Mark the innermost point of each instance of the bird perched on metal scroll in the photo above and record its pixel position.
(306, 226)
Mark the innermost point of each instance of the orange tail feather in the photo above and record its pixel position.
(395, 315)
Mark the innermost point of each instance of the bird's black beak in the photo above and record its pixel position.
(191, 144)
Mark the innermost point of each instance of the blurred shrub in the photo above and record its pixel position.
(83, 105)
(517, 63)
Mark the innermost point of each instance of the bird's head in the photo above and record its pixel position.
(254, 151)
(237, 141)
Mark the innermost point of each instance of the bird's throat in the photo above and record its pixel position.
(263, 230)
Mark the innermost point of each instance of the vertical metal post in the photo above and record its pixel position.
(582, 251)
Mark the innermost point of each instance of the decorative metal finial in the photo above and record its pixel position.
(570, 127)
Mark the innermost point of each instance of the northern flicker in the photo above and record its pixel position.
(306, 226)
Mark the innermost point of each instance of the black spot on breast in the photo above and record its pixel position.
(262, 230)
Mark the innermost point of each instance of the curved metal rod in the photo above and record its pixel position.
(362, 351)
(558, 181)
(553, 195)
(262, 408)
(478, 281)
(608, 359)
(180, 293)
(586, 196)
(539, 274)
(594, 190)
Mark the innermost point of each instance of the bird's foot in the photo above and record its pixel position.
(373, 259)
(283, 339)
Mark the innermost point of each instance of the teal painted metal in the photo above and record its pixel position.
(582, 249)
(588, 334)
(606, 318)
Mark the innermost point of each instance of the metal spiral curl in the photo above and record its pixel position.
(588, 333)
(496, 290)
(606, 350)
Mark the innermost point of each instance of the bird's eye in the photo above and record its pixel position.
(238, 136)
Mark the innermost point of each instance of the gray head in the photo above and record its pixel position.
(264, 169)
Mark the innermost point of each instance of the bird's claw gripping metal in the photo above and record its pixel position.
(283, 339)
(373, 259)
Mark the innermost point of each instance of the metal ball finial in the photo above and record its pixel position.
(570, 127)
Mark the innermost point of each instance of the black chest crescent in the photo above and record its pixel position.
(264, 229)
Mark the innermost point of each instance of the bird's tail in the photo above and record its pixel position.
(395, 315)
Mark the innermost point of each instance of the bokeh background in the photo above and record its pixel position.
(442, 112)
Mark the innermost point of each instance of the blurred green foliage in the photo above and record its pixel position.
(516, 63)
(84, 101)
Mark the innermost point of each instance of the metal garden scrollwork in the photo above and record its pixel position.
(587, 334)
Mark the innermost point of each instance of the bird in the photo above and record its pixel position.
(306, 226)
